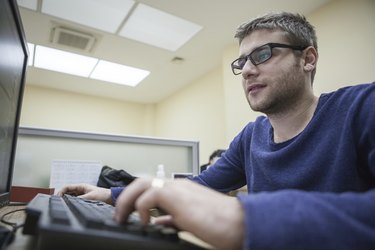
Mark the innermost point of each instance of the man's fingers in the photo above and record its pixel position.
(164, 220)
(145, 202)
(126, 201)
(76, 189)
(70, 189)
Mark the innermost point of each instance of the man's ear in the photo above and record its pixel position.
(311, 57)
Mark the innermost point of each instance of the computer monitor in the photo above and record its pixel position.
(13, 64)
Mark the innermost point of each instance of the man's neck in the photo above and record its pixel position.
(290, 123)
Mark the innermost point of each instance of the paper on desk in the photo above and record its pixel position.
(65, 172)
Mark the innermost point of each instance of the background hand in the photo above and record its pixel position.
(87, 191)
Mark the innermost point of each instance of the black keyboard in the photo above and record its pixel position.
(70, 222)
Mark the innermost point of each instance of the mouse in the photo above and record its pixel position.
(6, 236)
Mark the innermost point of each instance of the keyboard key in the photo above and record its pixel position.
(57, 212)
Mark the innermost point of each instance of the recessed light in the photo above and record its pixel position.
(30, 59)
(84, 66)
(64, 62)
(118, 73)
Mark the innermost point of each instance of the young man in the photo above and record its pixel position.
(309, 164)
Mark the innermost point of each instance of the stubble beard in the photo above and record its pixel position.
(287, 89)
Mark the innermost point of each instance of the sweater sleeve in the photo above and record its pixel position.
(292, 219)
(228, 172)
(115, 192)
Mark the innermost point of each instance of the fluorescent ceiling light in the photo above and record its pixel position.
(30, 59)
(105, 15)
(157, 28)
(30, 4)
(117, 73)
(74, 64)
(62, 61)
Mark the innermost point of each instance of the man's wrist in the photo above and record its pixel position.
(115, 192)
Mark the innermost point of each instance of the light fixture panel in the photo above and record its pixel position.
(157, 28)
(30, 59)
(64, 62)
(118, 73)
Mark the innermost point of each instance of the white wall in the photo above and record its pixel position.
(196, 112)
(346, 38)
(47, 108)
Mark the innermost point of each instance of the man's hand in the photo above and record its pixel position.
(214, 217)
(88, 191)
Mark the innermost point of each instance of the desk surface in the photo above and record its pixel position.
(21, 241)
(26, 242)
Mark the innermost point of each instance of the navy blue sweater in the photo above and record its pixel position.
(314, 191)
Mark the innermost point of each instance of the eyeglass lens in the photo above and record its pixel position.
(258, 56)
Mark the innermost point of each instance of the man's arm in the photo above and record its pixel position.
(292, 219)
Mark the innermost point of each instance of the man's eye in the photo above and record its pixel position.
(241, 62)
(261, 55)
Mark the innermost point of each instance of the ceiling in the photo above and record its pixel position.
(201, 54)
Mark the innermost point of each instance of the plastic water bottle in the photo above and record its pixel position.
(160, 173)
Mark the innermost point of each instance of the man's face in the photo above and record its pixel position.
(277, 84)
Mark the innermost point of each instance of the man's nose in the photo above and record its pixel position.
(249, 69)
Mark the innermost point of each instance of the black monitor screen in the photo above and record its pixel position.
(13, 63)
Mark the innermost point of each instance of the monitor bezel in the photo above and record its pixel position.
(5, 196)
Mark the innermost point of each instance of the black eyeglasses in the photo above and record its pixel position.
(260, 55)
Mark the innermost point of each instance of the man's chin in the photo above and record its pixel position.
(256, 107)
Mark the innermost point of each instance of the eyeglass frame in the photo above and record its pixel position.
(270, 46)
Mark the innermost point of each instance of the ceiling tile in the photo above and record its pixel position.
(158, 28)
(106, 15)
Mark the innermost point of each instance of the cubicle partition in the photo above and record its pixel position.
(37, 148)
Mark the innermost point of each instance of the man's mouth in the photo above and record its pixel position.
(255, 88)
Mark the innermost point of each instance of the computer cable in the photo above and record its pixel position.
(8, 237)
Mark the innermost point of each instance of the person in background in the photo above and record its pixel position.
(212, 159)
(308, 163)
